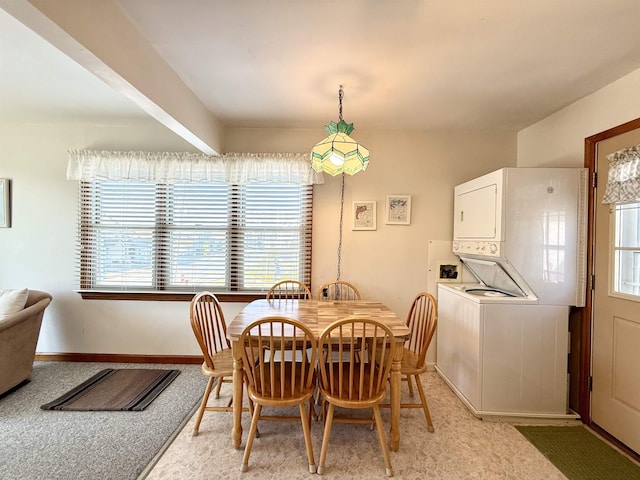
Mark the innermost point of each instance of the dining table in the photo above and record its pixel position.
(317, 315)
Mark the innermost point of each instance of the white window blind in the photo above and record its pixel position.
(190, 236)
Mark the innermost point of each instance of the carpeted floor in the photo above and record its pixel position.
(461, 448)
(580, 454)
(37, 444)
(55, 445)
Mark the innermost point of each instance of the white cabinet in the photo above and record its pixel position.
(503, 359)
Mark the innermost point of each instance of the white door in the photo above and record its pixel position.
(615, 396)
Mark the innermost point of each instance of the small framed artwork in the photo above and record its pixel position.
(364, 215)
(449, 272)
(5, 203)
(398, 209)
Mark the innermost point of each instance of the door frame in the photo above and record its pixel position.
(585, 323)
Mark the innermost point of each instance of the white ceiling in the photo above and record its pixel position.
(40, 83)
(410, 64)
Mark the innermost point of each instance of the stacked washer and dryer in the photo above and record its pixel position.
(503, 342)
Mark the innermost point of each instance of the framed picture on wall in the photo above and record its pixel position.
(398, 210)
(364, 215)
(5, 203)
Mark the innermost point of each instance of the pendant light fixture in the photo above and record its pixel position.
(339, 153)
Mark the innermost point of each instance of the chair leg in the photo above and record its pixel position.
(383, 441)
(410, 383)
(306, 428)
(325, 438)
(218, 386)
(313, 415)
(317, 395)
(425, 407)
(251, 408)
(323, 409)
(252, 433)
(203, 405)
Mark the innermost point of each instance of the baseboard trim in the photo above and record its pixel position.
(118, 358)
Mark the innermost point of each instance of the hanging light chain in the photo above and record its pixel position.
(340, 236)
(340, 96)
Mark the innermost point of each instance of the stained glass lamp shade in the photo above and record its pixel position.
(339, 153)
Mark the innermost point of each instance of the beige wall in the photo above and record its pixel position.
(38, 251)
(389, 264)
(558, 140)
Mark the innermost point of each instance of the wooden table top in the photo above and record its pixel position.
(317, 315)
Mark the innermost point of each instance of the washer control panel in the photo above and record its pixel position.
(488, 249)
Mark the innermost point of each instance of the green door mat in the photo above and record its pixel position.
(579, 454)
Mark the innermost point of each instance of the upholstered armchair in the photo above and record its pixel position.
(18, 338)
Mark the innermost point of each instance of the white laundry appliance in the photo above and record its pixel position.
(503, 342)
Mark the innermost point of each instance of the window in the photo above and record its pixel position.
(190, 236)
(626, 249)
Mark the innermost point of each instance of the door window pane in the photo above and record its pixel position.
(626, 253)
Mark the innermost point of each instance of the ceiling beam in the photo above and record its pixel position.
(102, 39)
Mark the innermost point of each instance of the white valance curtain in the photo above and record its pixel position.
(171, 167)
(623, 182)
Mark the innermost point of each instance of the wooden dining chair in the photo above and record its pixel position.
(422, 321)
(338, 290)
(349, 381)
(279, 356)
(210, 330)
(289, 290)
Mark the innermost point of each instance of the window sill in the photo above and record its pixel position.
(166, 296)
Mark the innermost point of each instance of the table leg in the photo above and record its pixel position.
(236, 432)
(395, 397)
